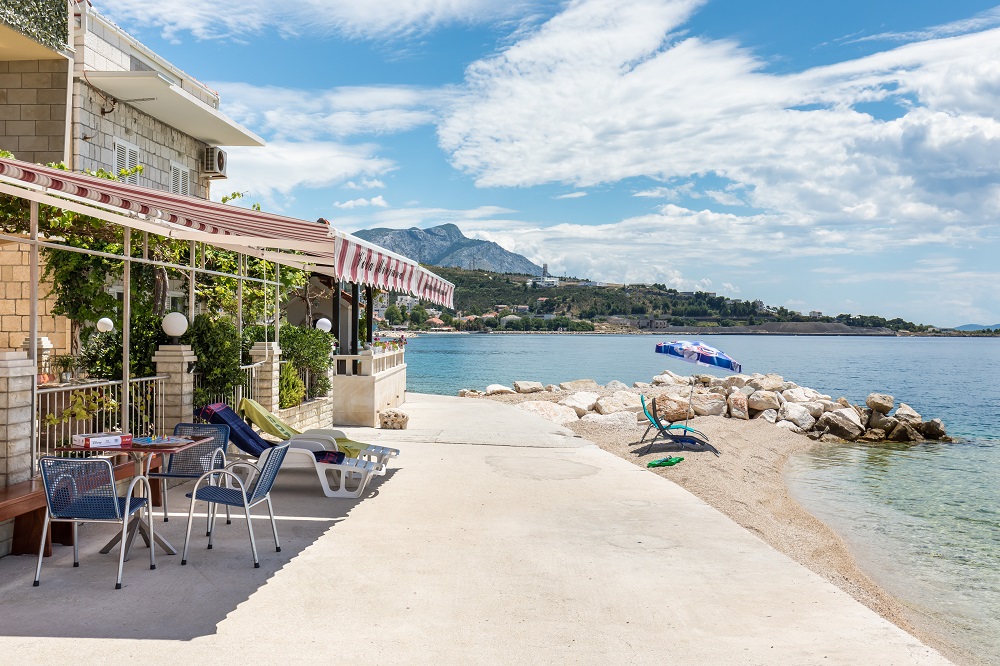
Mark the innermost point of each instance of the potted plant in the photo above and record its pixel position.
(65, 366)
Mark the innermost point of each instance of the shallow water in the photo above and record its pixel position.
(923, 521)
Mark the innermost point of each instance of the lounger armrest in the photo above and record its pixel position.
(308, 444)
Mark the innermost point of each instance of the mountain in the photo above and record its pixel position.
(976, 327)
(446, 245)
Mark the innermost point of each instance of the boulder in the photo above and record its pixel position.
(641, 385)
(469, 393)
(933, 429)
(393, 419)
(873, 435)
(620, 401)
(747, 390)
(797, 414)
(735, 381)
(769, 415)
(719, 390)
(816, 409)
(880, 402)
(550, 411)
(552, 388)
(880, 421)
(528, 387)
(581, 402)
(615, 385)
(788, 425)
(799, 394)
(499, 389)
(761, 400)
(703, 379)
(907, 413)
(580, 385)
(615, 420)
(709, 404)
(843, 402)
(667, 378)
(905, 432)
(738, 408)
(769, 382)
(830, 438)
(829, 405)
(844, 423)
(672, 408)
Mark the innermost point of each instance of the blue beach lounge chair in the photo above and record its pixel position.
(683, 436)
(351, 475)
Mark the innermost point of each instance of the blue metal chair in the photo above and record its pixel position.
(82, 490)
(249, 493)
(192, 463)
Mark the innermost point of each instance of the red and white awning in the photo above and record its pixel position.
(317, 245)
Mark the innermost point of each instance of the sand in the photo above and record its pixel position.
(747, 484)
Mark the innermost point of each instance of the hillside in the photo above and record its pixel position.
(446, 245)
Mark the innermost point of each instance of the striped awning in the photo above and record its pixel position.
(290, 241)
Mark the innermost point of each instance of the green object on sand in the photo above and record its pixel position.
(665, 462)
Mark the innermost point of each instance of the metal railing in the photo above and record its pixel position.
(247, 388)
(67, 410)
(368, 363)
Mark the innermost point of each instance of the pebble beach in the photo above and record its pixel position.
(746, 483)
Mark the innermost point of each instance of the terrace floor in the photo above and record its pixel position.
(496, 537)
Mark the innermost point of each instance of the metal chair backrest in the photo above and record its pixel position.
(645, 409)
(199, 459)
(82, 488)
(268, 472)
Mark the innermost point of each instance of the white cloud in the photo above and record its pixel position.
(982, 21)
(242, 19)
(571, 195)
(378, 202)
(365, 184)
(607, 91)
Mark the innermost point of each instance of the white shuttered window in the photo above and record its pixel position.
(126, 158)
(180, 179)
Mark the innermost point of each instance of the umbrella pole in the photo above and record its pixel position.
(687, 414)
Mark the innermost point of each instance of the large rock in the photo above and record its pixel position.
(735, 381)
(672, 408)
(769, 382)
(908, 414)
(499, 389)
(581, 402)
(880, 402)
(620, 401)
(641, 385)
(393, 419)
(670, 380)
(709, 404)
(616, 420)
(844, 423)
(769, 415)
(905, 432)
(797, 414)
(528, 387)
(580, 385)
(933, 429)
(469, 393)
(873, 435)
(880, 421)
(788, 425)
(762, 400)
(816, 409)
(616, 385)
(738, 408)
(550, 411)
(799, 394)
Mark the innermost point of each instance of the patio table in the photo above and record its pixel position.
(142, 451)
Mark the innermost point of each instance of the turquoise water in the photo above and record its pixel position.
(924, 521)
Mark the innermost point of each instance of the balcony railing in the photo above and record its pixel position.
(368, 362)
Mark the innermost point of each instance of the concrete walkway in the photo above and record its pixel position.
(498, 538)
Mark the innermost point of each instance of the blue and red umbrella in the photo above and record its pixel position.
(699, 353)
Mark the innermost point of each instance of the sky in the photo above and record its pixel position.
(840, 156)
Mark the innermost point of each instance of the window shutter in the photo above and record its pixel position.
(121, 158)
(126, 159)
(180, 180)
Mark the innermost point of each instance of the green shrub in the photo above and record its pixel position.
(218, 349)
(101, 355)
(291, 389)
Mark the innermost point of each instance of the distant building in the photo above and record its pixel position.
(520, 308)
(545, 282)
(815, 314)
(501, 308)
(589, 283)
(434, 321)
(509, 318)
(407, 302)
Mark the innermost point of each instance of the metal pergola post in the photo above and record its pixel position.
(335, 314)
(277, 304)
(369, 314)
(33, 324)
(355, 316)
(126, 330)
(191, 282)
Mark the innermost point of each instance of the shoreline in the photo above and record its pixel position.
(747, 484)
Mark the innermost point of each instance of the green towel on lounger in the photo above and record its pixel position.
(272, 425)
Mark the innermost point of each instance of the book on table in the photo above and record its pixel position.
(102, 440)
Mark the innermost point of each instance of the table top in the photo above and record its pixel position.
(144, 445)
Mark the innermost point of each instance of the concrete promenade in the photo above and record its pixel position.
(497, 537)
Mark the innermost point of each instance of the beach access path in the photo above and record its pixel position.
(497, 537)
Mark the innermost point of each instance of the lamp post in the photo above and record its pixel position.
(105, 325)
(324, 324)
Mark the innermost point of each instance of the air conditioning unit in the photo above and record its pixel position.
(215, 162)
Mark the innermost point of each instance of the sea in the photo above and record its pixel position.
(923, 520)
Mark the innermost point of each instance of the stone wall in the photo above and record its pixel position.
(16, 379)
(313, 414)
(15, 304)
(33, 109)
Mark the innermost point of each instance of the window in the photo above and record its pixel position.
(126, 159)
(180, 179)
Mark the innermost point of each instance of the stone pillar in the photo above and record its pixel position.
(44, 351)
(176, 402)
(16, 379)
(268, 355)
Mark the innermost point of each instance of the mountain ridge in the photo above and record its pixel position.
(446, 245)
(976, 327)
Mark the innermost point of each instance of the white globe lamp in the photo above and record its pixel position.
(324, 325)
(105, 325)
(175, 324)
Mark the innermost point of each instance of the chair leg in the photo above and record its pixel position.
(163, 485)
(187, 534)
(274, 528)
(212, 510)
(152, 537)
(76, 544)
(124, 547)
(253, 544)
(41, 549)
